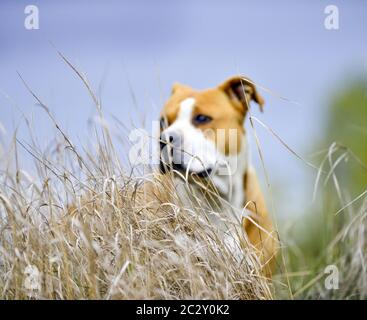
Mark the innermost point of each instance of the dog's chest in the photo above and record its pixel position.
(223, 217)
(220, 212)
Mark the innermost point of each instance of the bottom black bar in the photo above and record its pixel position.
(159, 309)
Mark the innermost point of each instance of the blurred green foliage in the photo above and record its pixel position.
(308, 243)
(347, 125)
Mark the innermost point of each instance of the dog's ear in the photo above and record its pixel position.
(179, 87)
(243, 90)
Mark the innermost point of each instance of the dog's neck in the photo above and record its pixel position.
(230, 183)
(231, 186)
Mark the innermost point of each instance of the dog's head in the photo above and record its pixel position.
(201, 129)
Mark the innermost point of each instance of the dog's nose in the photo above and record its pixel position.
(169, 138)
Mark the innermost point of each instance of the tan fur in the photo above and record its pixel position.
(265, 241)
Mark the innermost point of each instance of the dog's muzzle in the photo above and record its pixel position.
(172, 156)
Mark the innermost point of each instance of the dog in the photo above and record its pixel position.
(203, 142)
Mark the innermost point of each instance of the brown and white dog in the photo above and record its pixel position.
(203, 138)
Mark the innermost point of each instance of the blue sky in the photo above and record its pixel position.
(147, 45)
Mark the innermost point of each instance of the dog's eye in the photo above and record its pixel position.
(201, 119)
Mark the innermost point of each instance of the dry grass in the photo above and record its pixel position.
(115, 244)
(348, 252)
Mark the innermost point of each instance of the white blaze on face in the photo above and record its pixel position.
(194, 152)
(186, 108)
